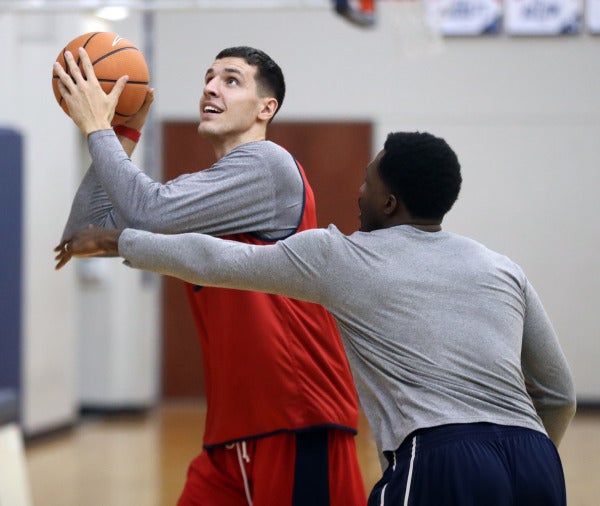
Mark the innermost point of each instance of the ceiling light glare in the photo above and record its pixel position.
(113, 13)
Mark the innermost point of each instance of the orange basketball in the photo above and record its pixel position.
(112, 57)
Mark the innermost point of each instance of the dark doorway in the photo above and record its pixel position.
(334, 156)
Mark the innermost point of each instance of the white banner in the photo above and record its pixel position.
(592, 16)
(465, 17)
(543, 17)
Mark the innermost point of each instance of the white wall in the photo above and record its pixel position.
(522, 113)
(56, 318)
(49, 336)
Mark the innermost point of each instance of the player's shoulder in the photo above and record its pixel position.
(263, 154)
(328, 234)
(263, 148)
(501, 260)
(316, 242)
(275, 153)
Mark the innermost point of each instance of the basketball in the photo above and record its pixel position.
(112, 57)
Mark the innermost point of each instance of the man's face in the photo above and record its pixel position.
(230, 101)
(373, 197)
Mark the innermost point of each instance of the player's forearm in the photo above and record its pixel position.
(556, 419)
(554, 398)
(90, 206)
(192, 257)
(192, 203)
(118, 177)
(128, 145)
(208, 261)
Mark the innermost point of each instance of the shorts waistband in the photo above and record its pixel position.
(436, 436)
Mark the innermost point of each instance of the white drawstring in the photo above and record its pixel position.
(382, 498)
(243, 456)
(410, 472)
(245, 452)
(410, 469)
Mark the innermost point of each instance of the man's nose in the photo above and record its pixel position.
(211, 88)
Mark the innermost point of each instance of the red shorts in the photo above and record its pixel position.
(313, 468)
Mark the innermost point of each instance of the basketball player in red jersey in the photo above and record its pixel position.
(281, 405)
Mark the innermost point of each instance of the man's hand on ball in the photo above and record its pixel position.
(139, 118)
(89, 106)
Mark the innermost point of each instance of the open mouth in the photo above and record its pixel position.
(211, 109)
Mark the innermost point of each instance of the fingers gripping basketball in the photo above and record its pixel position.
(112, 57)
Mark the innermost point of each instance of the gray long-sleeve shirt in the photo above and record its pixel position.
(438, 329)
(255, 188)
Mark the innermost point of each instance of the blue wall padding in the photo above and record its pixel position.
(11, 191)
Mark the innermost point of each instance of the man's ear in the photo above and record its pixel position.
(392, 204)
(269, 108)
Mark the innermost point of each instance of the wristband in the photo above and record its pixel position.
(130, 133)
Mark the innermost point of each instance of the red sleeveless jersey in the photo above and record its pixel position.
(271, 363)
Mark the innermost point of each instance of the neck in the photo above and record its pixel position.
(402, 216)
(225, 142)
(430, 227)
(224, 146)
(427, 225)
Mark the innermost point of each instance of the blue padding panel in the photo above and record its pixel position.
(8, 406)
(11, 168)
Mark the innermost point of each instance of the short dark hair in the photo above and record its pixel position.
(421, 170)
(269, 75)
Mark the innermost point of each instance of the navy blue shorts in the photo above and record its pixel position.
(472, 465)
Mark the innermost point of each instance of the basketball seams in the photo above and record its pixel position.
(90, 38)
(142, 83)
(85, 45)
(107, 55)
(114, 52)
(64, 62)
